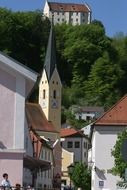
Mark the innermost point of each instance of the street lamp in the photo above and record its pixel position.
(70, 171)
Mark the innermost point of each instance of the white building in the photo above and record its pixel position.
(69, 13)
(87, 113)
(16, 82)
(74, 149)
(75, 141)
(104, 135)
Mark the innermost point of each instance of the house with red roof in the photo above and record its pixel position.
(104, 136)
(70, 13)
(75, 147)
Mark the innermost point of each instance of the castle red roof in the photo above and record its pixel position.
(68, 7)
(116, 115)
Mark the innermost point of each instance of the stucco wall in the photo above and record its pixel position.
(7, 109)
(12, 164)
(80, 154)
(104, 139)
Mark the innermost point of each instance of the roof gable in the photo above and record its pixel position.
(16, 66)
(67, 132)
(116, 115)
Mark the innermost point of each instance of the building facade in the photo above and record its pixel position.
(68, 13)
(75, 147)
(16, 82)
(104, 136)
(87, 113)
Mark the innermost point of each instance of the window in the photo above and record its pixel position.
(42, 154)
(45, 155)
(85, 145)
(73, 7)
(26, 142)
(85, 154)
(69, 144)
(71, 13)
(54, 94)
(71, 20)
(44, 94)
(88, 118)
(77, 144)
(80, 117)
(61, 144)
(49, 156)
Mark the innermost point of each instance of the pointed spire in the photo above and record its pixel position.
(50, 59)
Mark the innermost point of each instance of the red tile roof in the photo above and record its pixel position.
(66, 132)
(37, 119)
(116, 115)
(68, 7)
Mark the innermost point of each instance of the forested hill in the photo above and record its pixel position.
(92, 66)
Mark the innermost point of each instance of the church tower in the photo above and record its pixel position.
(50, 85)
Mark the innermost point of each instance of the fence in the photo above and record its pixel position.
(121, 186)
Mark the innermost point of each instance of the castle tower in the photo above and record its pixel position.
(50, 85)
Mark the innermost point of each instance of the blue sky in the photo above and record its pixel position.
(112, 13)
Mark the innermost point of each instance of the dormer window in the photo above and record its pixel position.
(61, 7)
(73, 7)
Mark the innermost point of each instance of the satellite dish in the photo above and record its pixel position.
(124, 150)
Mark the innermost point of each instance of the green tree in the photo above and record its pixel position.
(24, 36)
(120, 43)
(102, 85)
(119, 163)
(81, 176)
(78, 48)
(70, 119)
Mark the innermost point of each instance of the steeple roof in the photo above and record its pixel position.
(50, 59)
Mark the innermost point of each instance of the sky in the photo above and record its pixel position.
(112, 13)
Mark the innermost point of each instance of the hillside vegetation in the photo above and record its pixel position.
(92, 66)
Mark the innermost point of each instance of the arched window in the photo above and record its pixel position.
(54, 94)
(44, 92)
